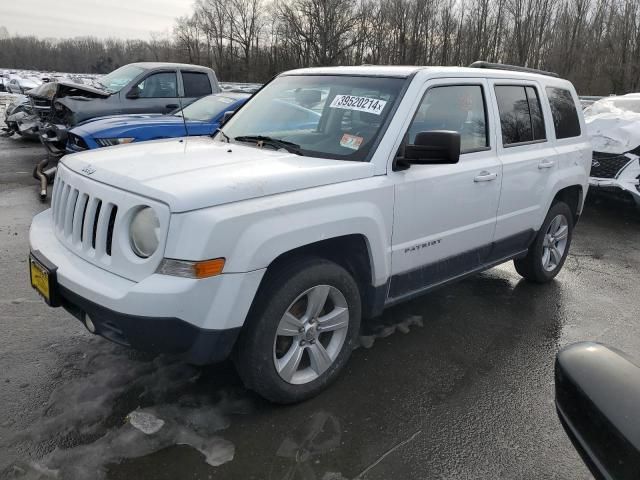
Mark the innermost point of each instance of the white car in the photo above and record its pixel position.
(21, 85)
(614, 126)
(273, 239)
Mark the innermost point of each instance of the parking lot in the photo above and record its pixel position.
(455, 385)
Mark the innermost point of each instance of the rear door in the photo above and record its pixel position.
(194, 85)
(528, 158)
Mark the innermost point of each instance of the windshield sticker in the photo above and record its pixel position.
(361, 104)
(351, 141)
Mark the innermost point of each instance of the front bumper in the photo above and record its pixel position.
(54, 138)
(198, 319)
(152, 334)
(620, 188)
(615, 179)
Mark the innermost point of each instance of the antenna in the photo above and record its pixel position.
(184, 122)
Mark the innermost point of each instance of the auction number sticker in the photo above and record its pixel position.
(361, 104)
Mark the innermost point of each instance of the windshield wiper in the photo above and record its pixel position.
(226, 137)
(275, 142)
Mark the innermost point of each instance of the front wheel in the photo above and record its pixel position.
(300, 332)
(549, 250)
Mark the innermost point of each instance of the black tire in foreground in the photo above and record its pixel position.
(550, 248)
(300, 331)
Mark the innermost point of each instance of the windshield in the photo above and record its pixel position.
(325, 116)
(206, 108)
(119, 78)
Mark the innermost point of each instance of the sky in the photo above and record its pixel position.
(99, 18)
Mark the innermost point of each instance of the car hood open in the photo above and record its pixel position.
(198, 172)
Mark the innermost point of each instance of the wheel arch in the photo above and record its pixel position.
(352, 252)
(573, 196)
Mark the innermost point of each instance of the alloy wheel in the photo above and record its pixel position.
(311, 334)
(555, 242)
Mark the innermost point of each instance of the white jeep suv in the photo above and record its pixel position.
(332, 194)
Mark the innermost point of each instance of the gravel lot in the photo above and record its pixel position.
(455, 385)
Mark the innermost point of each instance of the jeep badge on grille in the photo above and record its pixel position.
(88, 170)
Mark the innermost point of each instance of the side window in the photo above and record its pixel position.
(515, 122)
(196, 84)
(159, 85)
(565, 116)
(460, 108)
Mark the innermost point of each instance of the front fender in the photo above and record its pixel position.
(253, 233)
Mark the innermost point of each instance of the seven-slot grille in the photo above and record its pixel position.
(607, 165)
(86, 222)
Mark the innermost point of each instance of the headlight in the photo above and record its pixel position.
(144, 232)
(109, 142)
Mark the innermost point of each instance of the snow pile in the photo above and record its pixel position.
(613, 123)
(383, 331)
(145, 422)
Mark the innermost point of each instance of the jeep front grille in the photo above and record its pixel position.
(607, 165)
(84, 220)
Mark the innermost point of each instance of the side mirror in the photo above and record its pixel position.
(434, 147)
(227, 115)
(598, 403)
(134, 93)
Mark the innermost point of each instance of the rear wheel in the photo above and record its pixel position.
(550, 248)
(301, 331)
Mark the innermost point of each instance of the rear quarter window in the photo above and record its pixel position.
(563, 110)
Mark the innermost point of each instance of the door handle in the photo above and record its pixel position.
(172, 106)
(485, 176)
(546, 164)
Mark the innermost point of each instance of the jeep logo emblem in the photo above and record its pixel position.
(88, 170)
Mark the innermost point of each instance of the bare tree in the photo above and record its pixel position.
(594, 43)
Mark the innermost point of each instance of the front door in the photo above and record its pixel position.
(156, 93)
(445, 215)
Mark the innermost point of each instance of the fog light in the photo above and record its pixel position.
(89, 324)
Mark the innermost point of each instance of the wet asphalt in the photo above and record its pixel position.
(455, 385)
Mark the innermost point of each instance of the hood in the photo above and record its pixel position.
(614, 124)
(197, 172)
(123, 123)
(66, 88)
(141, 126)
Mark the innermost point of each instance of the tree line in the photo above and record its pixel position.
(594, 43)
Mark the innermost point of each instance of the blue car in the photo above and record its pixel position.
(202, 117)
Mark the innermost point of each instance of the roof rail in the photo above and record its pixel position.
(513, 68)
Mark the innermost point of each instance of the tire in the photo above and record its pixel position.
(288, 290)
(542, 264)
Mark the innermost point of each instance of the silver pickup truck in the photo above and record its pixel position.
(146, 87)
